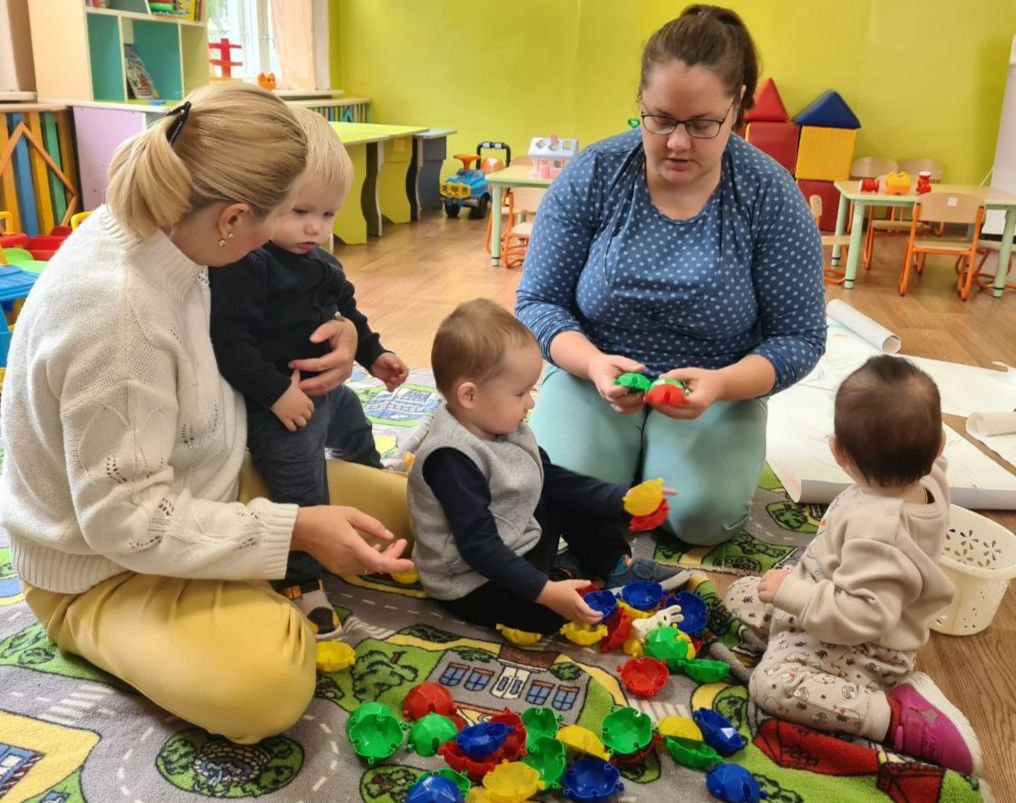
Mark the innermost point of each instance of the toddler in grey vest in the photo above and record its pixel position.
(489, 507)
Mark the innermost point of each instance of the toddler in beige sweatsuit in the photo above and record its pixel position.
(844, 625)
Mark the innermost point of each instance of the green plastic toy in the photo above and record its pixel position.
(375, 732)
(460, 779)
(636, 383)
(670, 645)
(429, 733)
(706, 671)
(690, 753)
(666, 644)
(549, 758)
(540, 722)
(626, 731)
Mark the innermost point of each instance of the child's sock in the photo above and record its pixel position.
(878, 721)
(311, 599)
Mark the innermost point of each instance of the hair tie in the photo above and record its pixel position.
(180, 112)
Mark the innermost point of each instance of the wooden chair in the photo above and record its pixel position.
(521, 213)
(506, 196)
(896, 223)
(868, 167)
(942, 208)
(986, 280)
(832, 275)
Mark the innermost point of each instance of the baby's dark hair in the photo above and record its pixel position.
(888, 420)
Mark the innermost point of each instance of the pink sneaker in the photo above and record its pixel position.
(931, 728)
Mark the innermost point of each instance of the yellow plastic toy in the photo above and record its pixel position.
(633, 647)
(520, 638)
(897, 183)
(477, 795)
(406, 578)
(644, 498)
(582, 740)
(512, 782)
(634, 613)
(334, 656)
(582, 634)
(679, 728)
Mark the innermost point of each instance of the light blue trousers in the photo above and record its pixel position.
(713, 461)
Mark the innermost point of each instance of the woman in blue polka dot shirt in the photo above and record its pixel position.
(675, 250)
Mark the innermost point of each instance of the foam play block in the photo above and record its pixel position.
(825, 154)
(768, 107)
(830, 196)
(779, 140)
(828, 110)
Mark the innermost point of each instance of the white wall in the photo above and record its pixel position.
(1003, 174)
(16, 71)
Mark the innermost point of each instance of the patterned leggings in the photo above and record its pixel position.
(825, 686)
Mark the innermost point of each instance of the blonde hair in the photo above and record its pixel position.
(471, 343)
(327, 159)
(238, 144)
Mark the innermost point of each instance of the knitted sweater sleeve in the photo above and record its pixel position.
(119, 442)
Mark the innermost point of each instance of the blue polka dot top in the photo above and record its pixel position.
(744, 276)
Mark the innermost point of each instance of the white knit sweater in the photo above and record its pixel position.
(123, 443)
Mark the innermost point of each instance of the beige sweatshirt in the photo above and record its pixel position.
(872, 574)
(123, 442)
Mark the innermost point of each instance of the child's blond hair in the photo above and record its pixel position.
(238, 143)
(327, 159)
(471, 343)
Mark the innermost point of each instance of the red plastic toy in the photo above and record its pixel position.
(669, 392)
(511, 750)
(514, 746)
(644, 676)
(869, 185)
(618, 630)
(640, 524)
(426, 698)
(923, 182)
(634, 759)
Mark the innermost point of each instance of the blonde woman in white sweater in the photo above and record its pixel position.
(124, 444)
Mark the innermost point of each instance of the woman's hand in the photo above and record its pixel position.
(335, 367)
(603, 370)
(329, 533)
(705, 387)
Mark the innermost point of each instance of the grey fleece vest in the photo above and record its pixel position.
(514, 473)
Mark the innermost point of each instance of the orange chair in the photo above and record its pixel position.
(986, 280)
(515, 242)
(896, 224)
(868, 167)
(942, 208)
(505, 200)
(832, 275)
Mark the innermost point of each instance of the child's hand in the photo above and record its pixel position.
(294, 407)
(562, 597)
(769, 585)
(390, 370)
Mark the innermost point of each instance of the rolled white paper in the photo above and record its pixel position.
(870, 330)
(983, 425)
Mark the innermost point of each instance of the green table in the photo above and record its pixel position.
(850, 193)
(517, 176)
(381, 156)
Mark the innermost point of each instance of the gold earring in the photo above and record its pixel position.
(221, 242)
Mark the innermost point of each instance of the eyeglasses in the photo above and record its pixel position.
(697, 128)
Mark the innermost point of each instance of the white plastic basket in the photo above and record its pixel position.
(980, 558)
